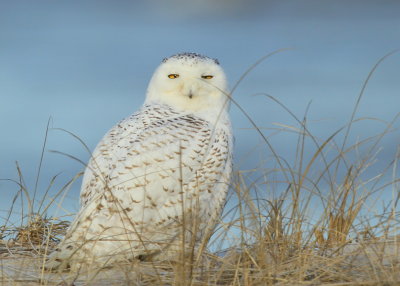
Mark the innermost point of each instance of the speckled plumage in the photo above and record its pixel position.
(164, 167)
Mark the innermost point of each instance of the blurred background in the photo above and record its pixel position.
(86, 65)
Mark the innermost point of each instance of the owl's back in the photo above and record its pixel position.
(151, 176)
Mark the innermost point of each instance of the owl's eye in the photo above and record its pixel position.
(207, 76)
(173, 75)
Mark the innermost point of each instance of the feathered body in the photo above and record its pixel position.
(159, 176)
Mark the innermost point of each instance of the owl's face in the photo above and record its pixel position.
(189, 82)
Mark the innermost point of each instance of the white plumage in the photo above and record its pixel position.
(160, 176)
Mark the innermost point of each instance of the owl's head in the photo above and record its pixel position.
(189, 82)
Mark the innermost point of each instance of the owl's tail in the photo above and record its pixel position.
(60, 259)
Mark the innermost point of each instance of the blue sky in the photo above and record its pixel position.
(86, 64)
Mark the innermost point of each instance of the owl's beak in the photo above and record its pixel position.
(190, 91)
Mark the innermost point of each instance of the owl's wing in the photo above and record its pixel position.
(152, 157)
(97, 171)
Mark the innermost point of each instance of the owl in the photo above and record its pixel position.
(158, 179)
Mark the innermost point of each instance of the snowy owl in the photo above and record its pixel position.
(158, 179)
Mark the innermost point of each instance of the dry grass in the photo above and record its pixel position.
(302, 223)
